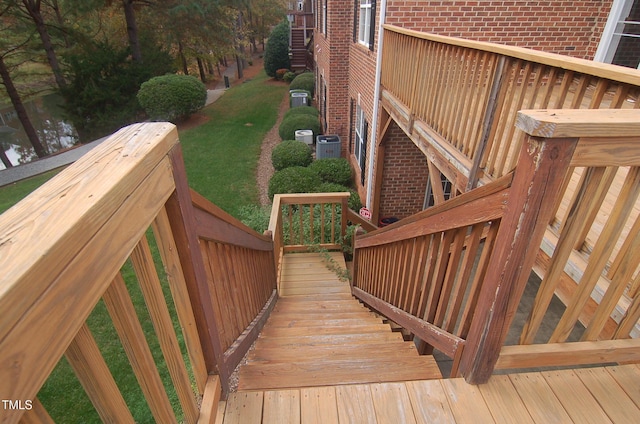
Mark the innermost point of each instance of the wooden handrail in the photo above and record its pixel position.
(62, 249)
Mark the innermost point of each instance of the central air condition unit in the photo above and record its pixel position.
(299, 99)
(306, 136)
(327, 146)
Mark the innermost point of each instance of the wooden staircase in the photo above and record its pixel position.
(319, 335)
(298, 49)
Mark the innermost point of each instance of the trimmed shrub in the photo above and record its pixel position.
(276, 53)
(333, 170)
(290, 125)
(291, 153)
(302, 110)
(288, 77)
(354, 202)
(296, 179)
(256, 217)
(280, 73)
(306, 81)
(170, 97)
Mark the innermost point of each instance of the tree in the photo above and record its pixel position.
(33, 10)
(10, 45)
(276, 55)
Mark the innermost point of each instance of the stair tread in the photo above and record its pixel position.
(275, 322)
(335, 329)
(303, 353)
(313, 315)
(336, 371)
(328, 339)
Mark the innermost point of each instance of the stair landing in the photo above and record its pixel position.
(319, 335)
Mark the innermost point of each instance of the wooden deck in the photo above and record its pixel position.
(319, 335)
(595, 395)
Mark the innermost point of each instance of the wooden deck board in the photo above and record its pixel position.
(529, 397)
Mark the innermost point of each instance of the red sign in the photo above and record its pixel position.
(365, 213)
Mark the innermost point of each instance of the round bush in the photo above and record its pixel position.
(302, 110)
(290, 125)
(291, 153)
(304, 81)
(296, 179)
(354, 202)
(170, 97)
(288, 77)
(333, 170)
(276, 53)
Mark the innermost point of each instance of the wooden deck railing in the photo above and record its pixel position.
(454, 274)
(62, 249)
(299, 221)
(465, 94)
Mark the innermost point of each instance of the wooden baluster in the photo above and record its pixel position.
(37, 414)
(86, 360)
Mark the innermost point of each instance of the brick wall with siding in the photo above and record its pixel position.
(405, 176)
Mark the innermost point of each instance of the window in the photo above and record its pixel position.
(361, 141)
(620, 42)
(324, 17)
(366, 22)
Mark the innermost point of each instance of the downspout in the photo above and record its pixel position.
(376, 101)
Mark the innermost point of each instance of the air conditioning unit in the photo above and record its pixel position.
(328, 146)
(299, 99)
(306, 136)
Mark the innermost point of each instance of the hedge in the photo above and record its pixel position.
(333, 170)
(296, 179)
(170, 97)
(306, 81)
(290, 125)
(354, 202)
(291, 153)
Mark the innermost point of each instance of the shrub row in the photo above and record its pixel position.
(298, 121)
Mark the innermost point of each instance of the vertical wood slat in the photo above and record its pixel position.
(169, 253)
(572, 228)
(37, 415)
(144, 267)
(600, 255)
(86, 360)
(125, 321)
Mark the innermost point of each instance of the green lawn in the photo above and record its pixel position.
(221, 158)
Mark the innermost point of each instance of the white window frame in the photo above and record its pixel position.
(324, 17)
(360, 136)
(611, 34)
(364, 22)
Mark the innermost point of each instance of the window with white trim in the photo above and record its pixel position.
(620, 42)
(361, 141)
(324, 17)
(364, 26)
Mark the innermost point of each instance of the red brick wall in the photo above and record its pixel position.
(405, 176)
(331, 53)
(571, 27)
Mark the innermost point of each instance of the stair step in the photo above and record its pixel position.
(306, 323)
(269, 331)
(332, 372)
(314, 315)
(328, 339)
(306, 290)
(320, 306)
(316, 297)
(302, 353)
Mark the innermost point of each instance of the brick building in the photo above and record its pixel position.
(347, 51)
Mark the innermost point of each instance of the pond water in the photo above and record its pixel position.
(46, 115)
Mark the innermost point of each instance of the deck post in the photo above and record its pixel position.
(181, 215)
(542, 165)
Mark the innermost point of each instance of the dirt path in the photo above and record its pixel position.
(265, 168)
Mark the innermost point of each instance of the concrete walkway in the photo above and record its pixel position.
(67, 157)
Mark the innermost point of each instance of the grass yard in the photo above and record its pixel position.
(221, 158)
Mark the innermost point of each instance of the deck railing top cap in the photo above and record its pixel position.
(33, 227)
(558, 123)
